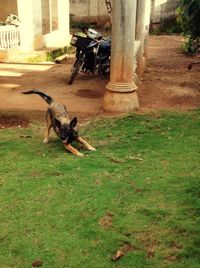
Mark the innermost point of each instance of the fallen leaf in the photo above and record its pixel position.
(172, 258)
(136, 158)
(118, 255)
(125, 248)
(37, 263)
(138, 190)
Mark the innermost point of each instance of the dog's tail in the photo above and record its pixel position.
(46, 97)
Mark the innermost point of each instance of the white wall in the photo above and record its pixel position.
(31, 32)
(89, 11)
(163, 9)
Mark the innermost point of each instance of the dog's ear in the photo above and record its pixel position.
(73, 122)
(58, 123)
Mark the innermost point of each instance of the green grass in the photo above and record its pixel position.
(140, 188)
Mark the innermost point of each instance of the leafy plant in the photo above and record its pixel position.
(189, 46)
(189, 19)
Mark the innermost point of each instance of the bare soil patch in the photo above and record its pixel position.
(88, 93)
(13, 121)
(166, 85)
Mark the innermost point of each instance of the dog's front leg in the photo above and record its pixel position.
(46, 137)
(85, 144)
(73, 150)
(48, 127)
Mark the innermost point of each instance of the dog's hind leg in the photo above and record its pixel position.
(85, 144)
(48, 127)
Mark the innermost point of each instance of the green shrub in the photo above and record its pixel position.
(189, 18)
(170, 26)
(190, 45)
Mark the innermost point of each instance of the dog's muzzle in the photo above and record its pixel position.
(65, 141)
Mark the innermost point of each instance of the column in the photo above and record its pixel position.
(25, 13)
(147, 26)
(37, 22)
(121, 93)
(140, 36)
(60, 37)
(63, 21)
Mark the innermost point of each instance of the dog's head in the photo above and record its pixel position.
(67, 132)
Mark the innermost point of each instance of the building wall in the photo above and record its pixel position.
(94, 11)
(44, 23)
(7, 7)
(89, 11)
(163, 10)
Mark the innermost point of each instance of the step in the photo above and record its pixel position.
(36, 56)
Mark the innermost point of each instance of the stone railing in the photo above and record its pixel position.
(9, 37)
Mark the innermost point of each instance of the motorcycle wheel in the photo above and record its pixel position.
(105, 72)
(75, 71)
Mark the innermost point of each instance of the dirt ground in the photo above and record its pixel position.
(167, 84)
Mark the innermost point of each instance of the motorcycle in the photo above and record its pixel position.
(92, 54)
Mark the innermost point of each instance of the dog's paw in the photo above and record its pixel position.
(80, 154)
(90, 148)
(45, 141)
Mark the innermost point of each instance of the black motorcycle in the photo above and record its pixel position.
(92, 54)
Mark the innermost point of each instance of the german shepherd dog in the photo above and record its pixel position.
(58, 118)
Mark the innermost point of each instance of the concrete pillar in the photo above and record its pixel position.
(61, 36)
(121, 93)
(140, 36)
(31, 24)
(63, 21)
(25, 13)
(147, 26)
(37, 24)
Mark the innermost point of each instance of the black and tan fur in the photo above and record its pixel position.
(57, 117)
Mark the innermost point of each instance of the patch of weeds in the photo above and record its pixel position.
(190, 46)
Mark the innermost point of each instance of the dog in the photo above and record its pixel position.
(57, 117)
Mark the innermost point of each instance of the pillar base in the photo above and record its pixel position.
(120, 102)
(121, 87)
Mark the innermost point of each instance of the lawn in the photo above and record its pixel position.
(137, 196)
